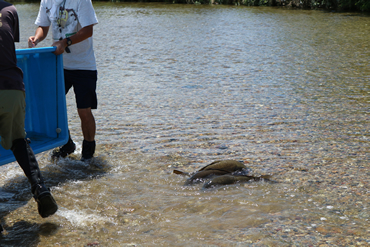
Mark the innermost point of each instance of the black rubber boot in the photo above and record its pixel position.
(46, 204)
(26, 159)
(65, 150)
(88, 150)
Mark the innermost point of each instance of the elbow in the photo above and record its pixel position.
(89, 31)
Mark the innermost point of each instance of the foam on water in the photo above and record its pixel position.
(10, 171)
(82, 218)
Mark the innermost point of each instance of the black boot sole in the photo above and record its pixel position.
(46, 204)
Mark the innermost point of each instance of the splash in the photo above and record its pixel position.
(81, 218)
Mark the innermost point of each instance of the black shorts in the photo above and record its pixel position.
(84, 86)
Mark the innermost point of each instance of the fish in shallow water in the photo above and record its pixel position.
(217, 168)
(221, 172)
(233, 179)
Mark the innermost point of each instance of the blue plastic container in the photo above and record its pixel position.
(46, 121)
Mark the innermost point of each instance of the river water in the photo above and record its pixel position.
(285, 91)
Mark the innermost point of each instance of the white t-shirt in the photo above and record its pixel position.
(80, 14)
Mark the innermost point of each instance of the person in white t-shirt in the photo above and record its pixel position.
(72, 24)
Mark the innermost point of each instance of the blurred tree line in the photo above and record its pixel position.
(340, 5)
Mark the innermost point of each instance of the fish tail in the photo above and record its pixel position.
(181, 173)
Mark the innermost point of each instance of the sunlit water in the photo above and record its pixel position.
(285, 91)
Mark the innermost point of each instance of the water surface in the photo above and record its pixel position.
(285, 91)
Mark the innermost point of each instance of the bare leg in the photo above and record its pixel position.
(87, 124)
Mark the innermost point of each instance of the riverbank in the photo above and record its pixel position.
(330, 5)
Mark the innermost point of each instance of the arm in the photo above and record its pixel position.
(81, 35)
(40, 35)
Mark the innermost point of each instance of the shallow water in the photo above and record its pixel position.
(285, 91)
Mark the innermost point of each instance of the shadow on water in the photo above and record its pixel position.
(15, 194)
(26, 234)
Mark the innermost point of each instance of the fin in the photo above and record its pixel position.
(181, 173)
(267, 177)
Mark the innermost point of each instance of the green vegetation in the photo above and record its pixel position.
(341, 5)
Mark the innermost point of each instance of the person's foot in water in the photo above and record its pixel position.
(88, 150)
(65, 150)
(46, 204)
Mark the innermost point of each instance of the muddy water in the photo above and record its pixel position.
(285, 91)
